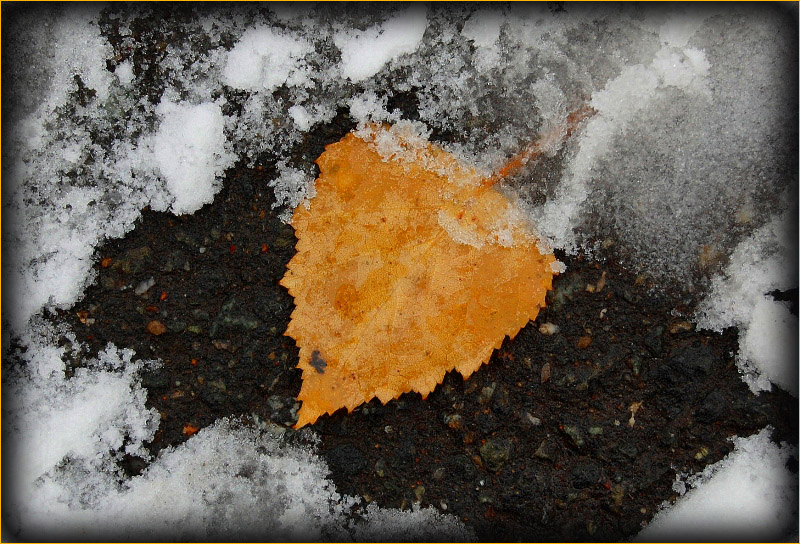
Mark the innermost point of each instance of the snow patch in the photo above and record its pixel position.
(739, 297)
(364, 53)
(124, 72)
(746, 497)
(265, 58)
(189, 150)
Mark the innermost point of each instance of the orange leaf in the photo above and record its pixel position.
(190, 429)
(408, 265)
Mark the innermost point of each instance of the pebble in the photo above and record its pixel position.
(453, 421)
(680, 326)
(494, 453)
(575, 435)
(231, 315)
(544, 375)
(155, 379)
(486, 394)
(667, 437)
(214, 397)
(565, 290)
(156, 327)
(186, 238)
(460, 467)
(627, 449)
(543, 451)
(133, 260)
(200, 314)
(218, 384)
(652, 340)
(144, 286)
(275, 402)
(176, 326)
(533, 420)
(548, 328)
(585, 474)
(624, 293)
(712, 408)
(696, 357)
(701, 453)
(172, 261)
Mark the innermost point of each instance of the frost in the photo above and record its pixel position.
(88, 420)
(301, 117)
(230, 481)
(416, 525)
(292, 187)
(368, 106)
(483, 29)
(558, 267)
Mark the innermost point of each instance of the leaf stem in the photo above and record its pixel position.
(532, 151)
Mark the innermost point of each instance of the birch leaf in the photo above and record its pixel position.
(408, 265)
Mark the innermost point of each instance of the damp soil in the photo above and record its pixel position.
(574, 430)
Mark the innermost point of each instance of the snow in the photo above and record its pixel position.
(189, 150)
(292, 188)
(483, 27)
(263, 59)
(685, 169)
(124, 73)
(764, 262)
(87, 420)
(368, 107)
(301, 117)
(364, 53)
(746, 497)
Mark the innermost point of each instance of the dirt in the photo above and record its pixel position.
(574, 430)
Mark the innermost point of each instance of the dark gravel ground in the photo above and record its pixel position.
(537, 445)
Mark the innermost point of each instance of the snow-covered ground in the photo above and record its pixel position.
(689, 162)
